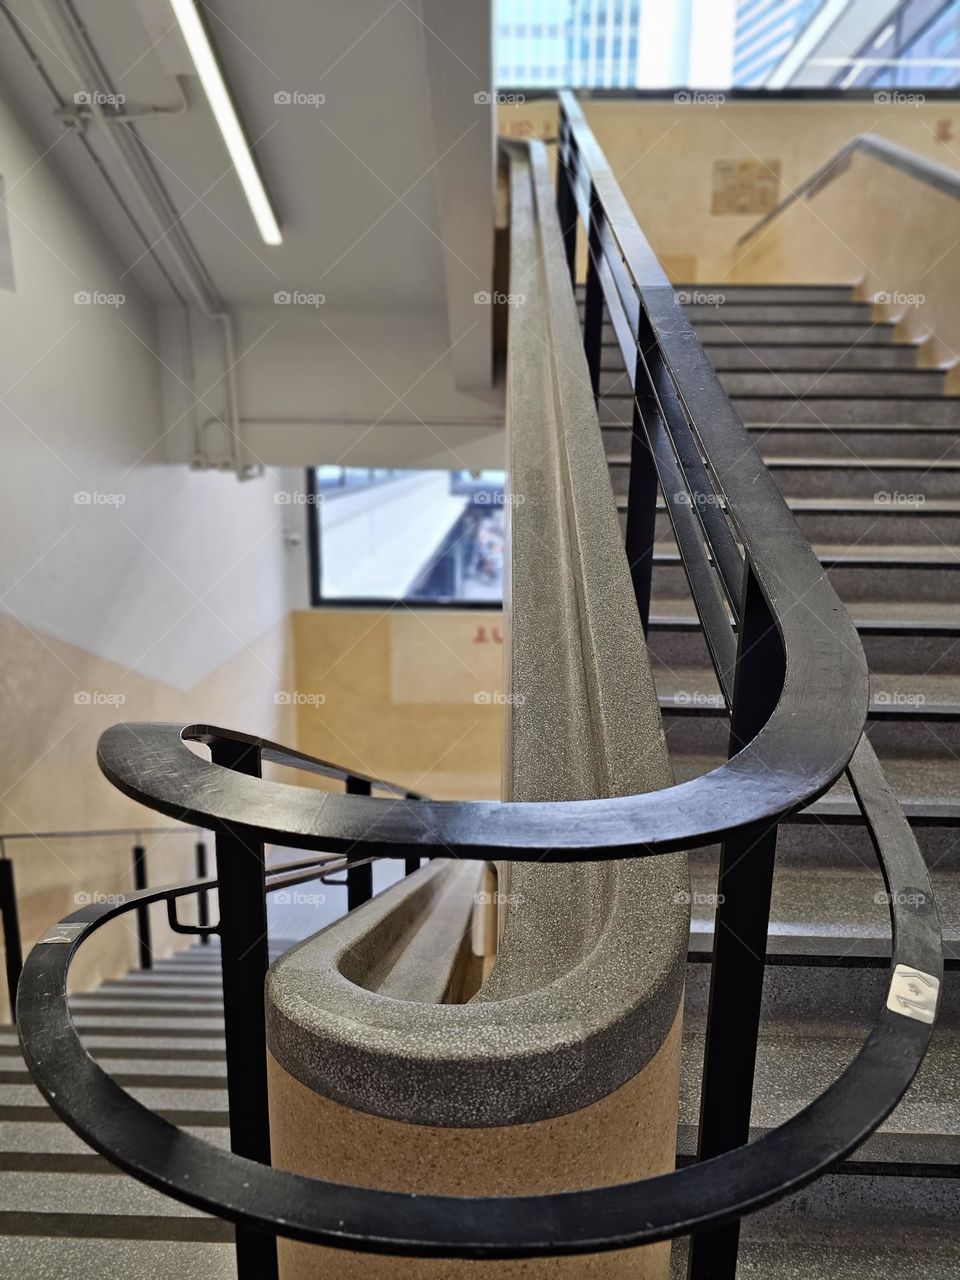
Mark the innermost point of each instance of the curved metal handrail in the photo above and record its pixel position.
(707, 1194)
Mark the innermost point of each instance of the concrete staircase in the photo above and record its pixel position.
(67, 1212)
(865, 448)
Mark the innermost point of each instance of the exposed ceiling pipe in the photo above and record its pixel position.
(130, 153)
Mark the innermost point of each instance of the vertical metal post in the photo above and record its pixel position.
(244, 959)
(566, 201)
(143, 912)
(593, 307)
(12, 947)
(740, 937)
(641, 506)
(203, 899)
(359, 879)
(410, 865)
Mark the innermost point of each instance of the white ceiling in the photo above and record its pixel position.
(354, 181)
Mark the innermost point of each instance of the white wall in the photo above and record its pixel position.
(167, 571)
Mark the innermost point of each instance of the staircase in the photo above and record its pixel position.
(864, 446)
(64, 1210)
(866, 450)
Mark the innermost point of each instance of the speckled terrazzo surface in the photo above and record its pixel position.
(590, 971)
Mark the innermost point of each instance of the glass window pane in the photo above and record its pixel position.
(430, 536)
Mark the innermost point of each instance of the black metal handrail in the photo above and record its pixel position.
(795, 677)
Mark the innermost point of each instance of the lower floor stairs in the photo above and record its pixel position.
(65, 1211)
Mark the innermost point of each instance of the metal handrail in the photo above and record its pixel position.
(796, 678)
(939, 176)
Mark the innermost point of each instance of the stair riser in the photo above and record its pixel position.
(904, 487)
(931, 655)
(851, 584)
(820, 846)
(761, 409)
(833, 383)
(808, 993)
(826, 294)
(734, 313)
(865, 528)
(765, 356)
(914, 739)
(842, 442)
(842, 337)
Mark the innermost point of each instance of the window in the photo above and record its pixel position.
(382, 535)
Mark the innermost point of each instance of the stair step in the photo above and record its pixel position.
(842, 337)
(105, 1253)
(821, 293)
(735, 313)
(733, 356)
(835, 382)
(912, 411)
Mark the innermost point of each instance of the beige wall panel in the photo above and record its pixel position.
(412, 696)
(664, 154)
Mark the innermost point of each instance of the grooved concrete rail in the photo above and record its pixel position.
(562, 1070)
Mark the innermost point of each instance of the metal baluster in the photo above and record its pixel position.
(359, 879)
(740, 937)
(244, 960)
(203, 898)
(143, 912)
(12, 947)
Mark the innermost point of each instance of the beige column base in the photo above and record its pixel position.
(630, 1134)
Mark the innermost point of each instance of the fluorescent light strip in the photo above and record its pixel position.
(221, 104)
